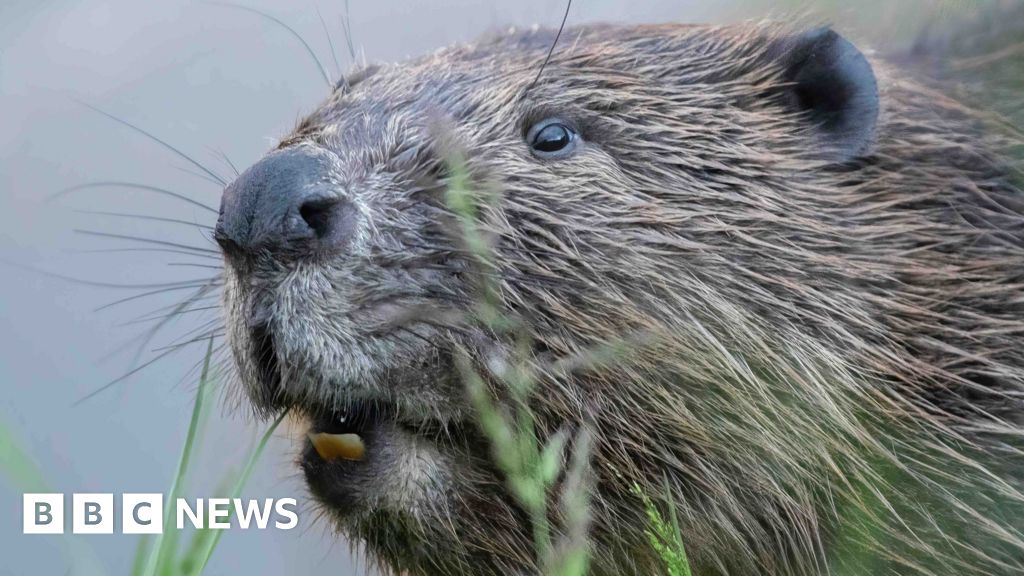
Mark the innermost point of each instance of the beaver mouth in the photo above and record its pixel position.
(343, 452)
(382, 423)
(346, 436)
(366, 458)
(359, 443)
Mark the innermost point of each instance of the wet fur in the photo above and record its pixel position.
(833, 370)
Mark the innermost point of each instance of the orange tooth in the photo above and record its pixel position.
(335, 446)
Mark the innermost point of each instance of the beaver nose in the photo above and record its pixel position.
(286, 202)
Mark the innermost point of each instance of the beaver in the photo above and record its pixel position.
(821, 258)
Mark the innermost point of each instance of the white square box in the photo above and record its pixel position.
(92, 513)
(142, 513)
(43, 513)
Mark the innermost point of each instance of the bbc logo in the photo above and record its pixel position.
(144, 513)
(93, 513)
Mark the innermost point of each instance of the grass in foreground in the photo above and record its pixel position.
(158, 555)
(162, 557)
(532, 466)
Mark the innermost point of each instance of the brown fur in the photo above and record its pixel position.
(834, 362)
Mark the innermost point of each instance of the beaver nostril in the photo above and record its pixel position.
(318, 215)
(333, 220)
(287, 204)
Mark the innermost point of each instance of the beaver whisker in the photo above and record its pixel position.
(330, 42)
(182, 304)
(221, 181)
(201, 289)
(216, 257)
(217, 358)
(125, 376)
(145, 240)
(151, 318)
(286, 27)
(148, 217)
(223, 156)
(201, 293)
(199, 296)
(195, 265)
(554, 43)
(206, 335)
(346, 29)
(200, 176)
(132, 186)
(156, 292)
(117, 285)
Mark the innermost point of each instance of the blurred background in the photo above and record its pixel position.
(222, 85)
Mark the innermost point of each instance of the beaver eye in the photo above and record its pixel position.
(551, 139)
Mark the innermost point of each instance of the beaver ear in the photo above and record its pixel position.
(830, 80)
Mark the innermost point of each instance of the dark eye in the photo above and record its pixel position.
(552, 139)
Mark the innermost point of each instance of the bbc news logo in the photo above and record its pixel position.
(144, 513)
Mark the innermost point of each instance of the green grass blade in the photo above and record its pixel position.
(191, 558)
(676, 533)
(25, 476)
(205, 554)
(17, 465)
(160, 556)
(665, 538)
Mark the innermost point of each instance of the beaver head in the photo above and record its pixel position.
(822, 259)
